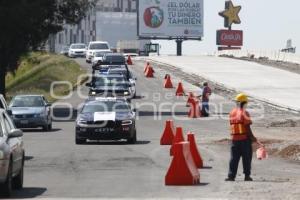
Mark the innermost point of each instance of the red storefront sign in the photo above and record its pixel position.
(230, 37)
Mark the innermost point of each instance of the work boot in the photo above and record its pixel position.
(229, 179)
(248, 178)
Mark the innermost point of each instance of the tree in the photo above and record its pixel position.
(25, 25)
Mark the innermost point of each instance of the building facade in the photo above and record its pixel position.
(110, 20)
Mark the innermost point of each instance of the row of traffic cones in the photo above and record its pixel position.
(192, 101)
(178, 174)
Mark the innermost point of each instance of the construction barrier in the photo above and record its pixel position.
(194, 150)
(178, 138)
(195, 111)
(180, 90)
(168, 82)
(168, 134)
(182, 170)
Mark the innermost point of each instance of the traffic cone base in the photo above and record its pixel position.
(182, 170)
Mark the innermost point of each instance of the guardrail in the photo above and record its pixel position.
(271, 55)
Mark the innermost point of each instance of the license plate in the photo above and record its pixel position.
(24, 121)
(104, 130)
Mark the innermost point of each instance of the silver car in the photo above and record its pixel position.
(12, 155)
(31, 111)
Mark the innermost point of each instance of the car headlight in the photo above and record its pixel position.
(126, 122)
(1, 155)
(82, 122)
(126, 93)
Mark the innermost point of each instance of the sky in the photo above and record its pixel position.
(267, 25)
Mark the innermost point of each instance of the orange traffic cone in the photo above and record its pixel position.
(194, 150)
(190, 99)
(178, 138)
(146, 67)
(129, 61)
(180, 90)
(168, 135)
(168, 82)
(149, 73)
(194, 110)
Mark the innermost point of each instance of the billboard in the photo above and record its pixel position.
(230, 37)
(170, 19)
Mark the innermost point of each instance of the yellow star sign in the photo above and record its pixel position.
(231, 14)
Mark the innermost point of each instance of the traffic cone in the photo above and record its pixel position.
(168, 82)
(194, 150)
(149, 73)
(129, 61)
(168, 134)
(179, 90)
(182, 170)
(146, 67)
(178, 138)
(166, 76)
(191, 99)
(194, 110)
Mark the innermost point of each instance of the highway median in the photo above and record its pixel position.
(38, 70)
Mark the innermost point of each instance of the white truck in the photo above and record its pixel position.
(128, 47)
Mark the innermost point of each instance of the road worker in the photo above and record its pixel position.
(206, 92)
(242, 139)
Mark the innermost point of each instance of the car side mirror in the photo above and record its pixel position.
(15, 133)
(88, 85)
(48, 104)
(9, 112)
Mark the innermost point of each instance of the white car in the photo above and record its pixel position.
(97, 46)
(98, 56)
(77, 50)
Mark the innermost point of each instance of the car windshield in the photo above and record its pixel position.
(109, 81)
(78, 46)
(114, 59)
(27, 101)
(107, 106)
(99, 54)
(98, 46)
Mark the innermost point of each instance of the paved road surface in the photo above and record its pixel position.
(57, 168)
(270, 84)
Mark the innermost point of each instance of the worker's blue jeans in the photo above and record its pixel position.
(205, 109)
(240, 149)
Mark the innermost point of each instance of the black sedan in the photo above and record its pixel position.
(105, 119)
(111, 86)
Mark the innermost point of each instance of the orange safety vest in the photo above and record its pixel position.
(239, 118)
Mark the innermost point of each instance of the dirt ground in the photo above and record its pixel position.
(279, 130)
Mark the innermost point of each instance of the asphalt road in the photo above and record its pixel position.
(57, 168)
